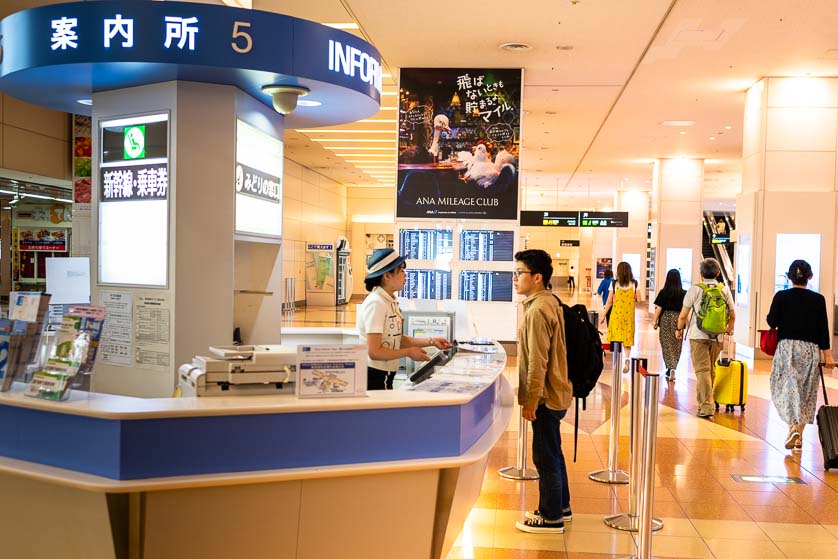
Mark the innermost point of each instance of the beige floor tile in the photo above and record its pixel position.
(729, 530)
(677, 527)
(736, 549)
(671, 546)
(479, 529)
(803, 550)
(599, 543)
(588, 523)
(833, 529)
(808, 533)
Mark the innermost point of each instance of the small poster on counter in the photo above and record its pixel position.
(326, 371)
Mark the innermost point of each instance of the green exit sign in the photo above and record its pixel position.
(133, 142)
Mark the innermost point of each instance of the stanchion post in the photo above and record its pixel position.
(520, 470)
(612, 474)
(647, 495)
(629, 521)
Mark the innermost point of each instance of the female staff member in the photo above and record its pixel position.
(621, 304)
(668, 306)
(379, 321)
(799, 315)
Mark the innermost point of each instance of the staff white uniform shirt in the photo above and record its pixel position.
(692, 300)
(380, 314)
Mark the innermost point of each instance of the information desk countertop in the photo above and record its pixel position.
(124, 438)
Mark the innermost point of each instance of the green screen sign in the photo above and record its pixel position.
(133, 142)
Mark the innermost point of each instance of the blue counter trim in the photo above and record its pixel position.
(148, 448)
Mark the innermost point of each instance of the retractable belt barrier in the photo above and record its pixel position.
(520, 470)
(612, 474)
(630, 521)
(646, 495)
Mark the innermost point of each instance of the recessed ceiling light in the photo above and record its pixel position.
(728, 127)
(87, 102)
(678, 123)
(515, 47)
(308, 103)
(682, 132)
(711, 138)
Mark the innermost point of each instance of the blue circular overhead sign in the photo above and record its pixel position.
(59, 54)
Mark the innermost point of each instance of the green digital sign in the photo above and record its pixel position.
(133, 142)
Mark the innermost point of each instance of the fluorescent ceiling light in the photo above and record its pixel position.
(308, 103)
(46, 197)
(345, 131)
(147, 119)
(365, 155)
(350, 25)
(355, 148)
(678, 123)
(389, 140)
(87, 102)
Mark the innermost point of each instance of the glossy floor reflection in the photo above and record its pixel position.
(706, 512)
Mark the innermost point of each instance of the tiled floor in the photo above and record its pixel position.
(706, 513)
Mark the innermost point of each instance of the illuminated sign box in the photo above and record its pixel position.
(258, 183)
(134, 201)
(573, 219)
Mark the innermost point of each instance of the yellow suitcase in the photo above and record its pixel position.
(730, 386)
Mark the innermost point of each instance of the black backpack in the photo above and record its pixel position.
(584, 356)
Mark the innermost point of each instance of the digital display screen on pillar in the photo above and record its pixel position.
(550, 219)
(478, 285)
(258, 182)
(134, 201)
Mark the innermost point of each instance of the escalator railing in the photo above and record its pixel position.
(719, 251)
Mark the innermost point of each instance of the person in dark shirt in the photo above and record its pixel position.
(668, 305)
(799, 315)
(605, 287)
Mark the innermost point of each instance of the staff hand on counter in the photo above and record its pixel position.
(440, 343)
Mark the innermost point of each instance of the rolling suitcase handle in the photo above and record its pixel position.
(724, 361)
(823, 385)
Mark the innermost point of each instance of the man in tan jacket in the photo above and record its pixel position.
(544, 391)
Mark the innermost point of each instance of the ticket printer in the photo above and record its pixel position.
(240, 370)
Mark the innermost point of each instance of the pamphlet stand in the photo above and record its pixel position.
(520, 470)
(630, 521)
(612, 474)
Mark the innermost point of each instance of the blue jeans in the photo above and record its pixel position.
(553, 491)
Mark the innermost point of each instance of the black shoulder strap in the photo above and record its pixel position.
(576, 430)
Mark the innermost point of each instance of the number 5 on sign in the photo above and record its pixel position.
(239, 33)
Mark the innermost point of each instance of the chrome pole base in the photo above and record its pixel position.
(630, 523)
(523, 474)
(607, 476)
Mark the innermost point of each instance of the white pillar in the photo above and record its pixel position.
(789, 148)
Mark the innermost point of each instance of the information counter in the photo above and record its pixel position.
(392, 474)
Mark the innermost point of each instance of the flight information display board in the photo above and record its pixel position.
(426, 244)
(491, 246)
(574, 219)
(485, 286)
(427, 284)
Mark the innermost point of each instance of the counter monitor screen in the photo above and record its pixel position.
(490, 246)
(427, 284)
(426, 244)
(485, 286)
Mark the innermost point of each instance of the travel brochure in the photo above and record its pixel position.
(51, 364)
